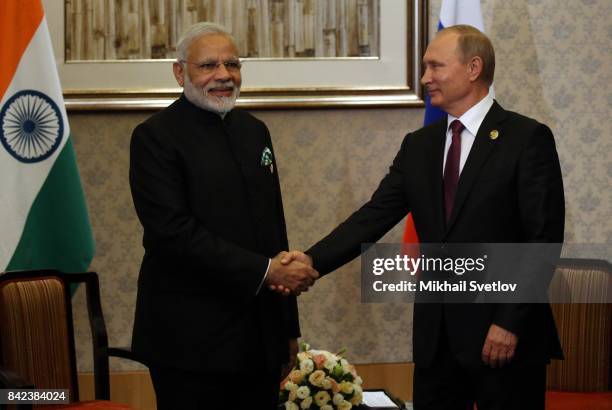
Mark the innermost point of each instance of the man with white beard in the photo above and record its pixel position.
(205, 187)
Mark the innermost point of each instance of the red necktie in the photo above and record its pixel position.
(451, 169)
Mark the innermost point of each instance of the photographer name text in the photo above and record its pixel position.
(442, 286)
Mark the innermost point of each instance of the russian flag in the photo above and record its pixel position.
(452, 12)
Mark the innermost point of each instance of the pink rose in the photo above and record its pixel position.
(335, 388)
(319, 361)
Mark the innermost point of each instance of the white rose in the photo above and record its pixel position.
(326, 407)
(306, 403)
(290, 386)
(358, 380)
(303, 356)
(346, 387)
(289, 405)
(330, 363)
(292, 395)
(296, 376)
(338, 398)
(321, 398)
(345, 366)
(357, 388)
(316, 378)
(303, 392)
(345, 405)
(326, 384)
(357, 399)
(307, 366)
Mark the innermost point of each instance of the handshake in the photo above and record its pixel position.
(291, 273)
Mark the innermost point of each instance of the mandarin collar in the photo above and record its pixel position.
(204, 116)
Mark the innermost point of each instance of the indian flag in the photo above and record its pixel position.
(42, 208)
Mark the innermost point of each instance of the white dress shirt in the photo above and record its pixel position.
(471, 120)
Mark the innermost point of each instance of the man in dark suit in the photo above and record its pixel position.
(206, 190)
(483, 175)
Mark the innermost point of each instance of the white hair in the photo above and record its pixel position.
(196, 31)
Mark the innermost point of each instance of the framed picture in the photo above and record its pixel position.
(295, 53)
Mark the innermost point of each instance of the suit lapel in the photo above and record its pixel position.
(482, 148)
(436, 157)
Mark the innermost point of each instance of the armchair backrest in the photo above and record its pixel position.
(36, 329)
(36, 332)
(585, 329)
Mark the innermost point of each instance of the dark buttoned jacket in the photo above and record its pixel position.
(207, 193)
(510, 191)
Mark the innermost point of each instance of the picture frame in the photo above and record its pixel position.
(389, 80)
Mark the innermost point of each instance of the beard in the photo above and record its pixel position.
(202, 98)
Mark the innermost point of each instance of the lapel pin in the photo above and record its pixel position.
(494, 134)
(266, 159)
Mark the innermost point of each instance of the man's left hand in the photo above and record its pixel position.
(293, 351)
(499, 347)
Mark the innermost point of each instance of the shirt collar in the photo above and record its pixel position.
(472, 118)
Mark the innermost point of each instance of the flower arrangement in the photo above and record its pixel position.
(321, 380)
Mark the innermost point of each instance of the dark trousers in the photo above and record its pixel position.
(447, 385)
(178, 389)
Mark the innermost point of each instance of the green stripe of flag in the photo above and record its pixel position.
(57, 234)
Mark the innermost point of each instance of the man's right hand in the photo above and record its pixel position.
(293, 277)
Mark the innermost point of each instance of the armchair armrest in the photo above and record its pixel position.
(124, 353)
(101, 367)
(11, 380)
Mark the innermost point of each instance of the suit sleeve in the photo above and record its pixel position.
(161, 201)
(542, 216)
(290, 306)
(387, 206)
(291, 317)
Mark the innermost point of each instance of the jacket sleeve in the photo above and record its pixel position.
(542, 217)
(387, 206)
(160, 197)
(291, 316)
(290, 306)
